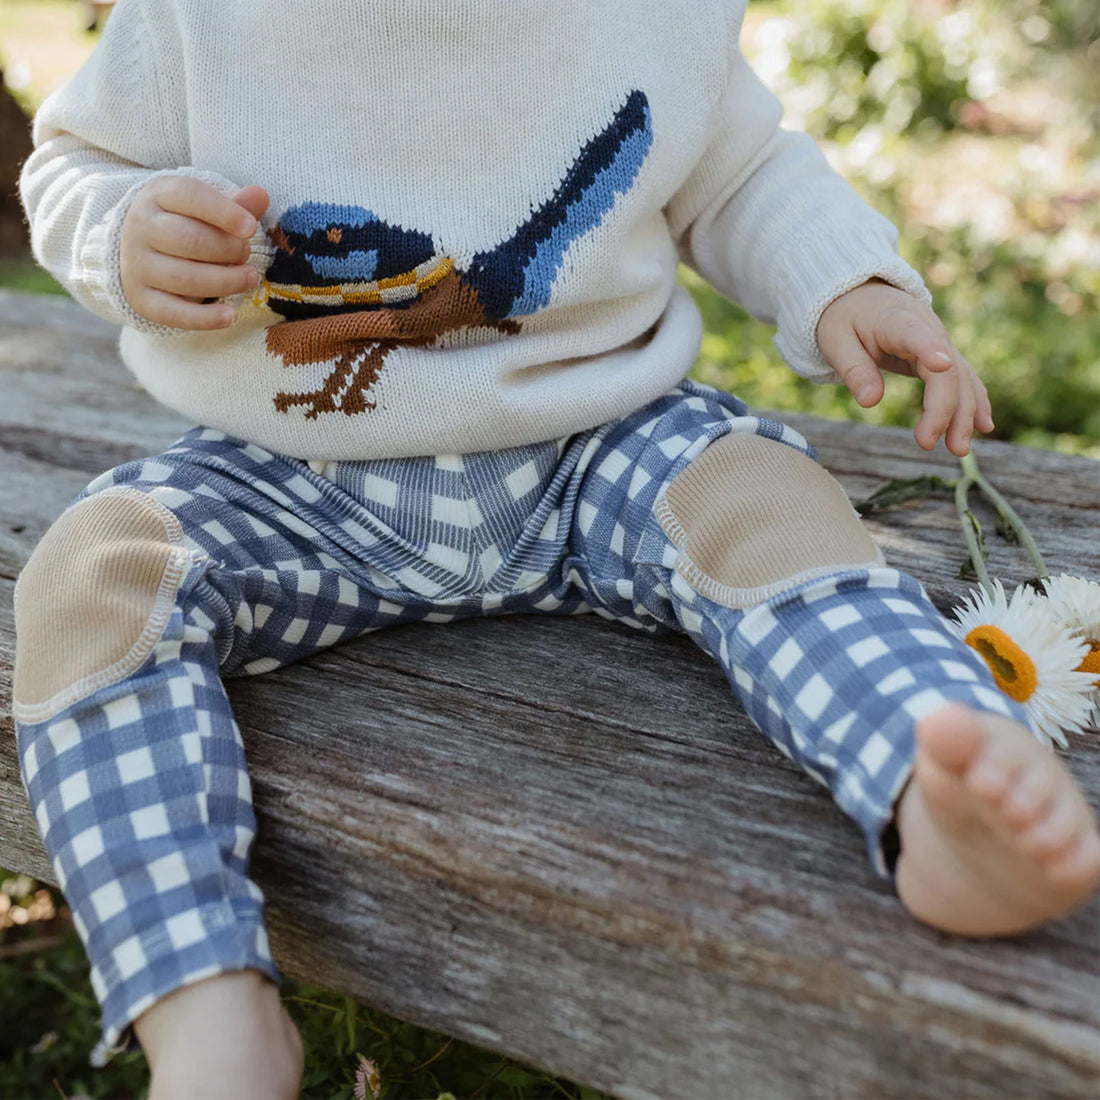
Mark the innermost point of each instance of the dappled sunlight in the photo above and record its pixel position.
(968, 124)
(23, 901)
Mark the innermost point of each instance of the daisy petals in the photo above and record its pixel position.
(1032, 655)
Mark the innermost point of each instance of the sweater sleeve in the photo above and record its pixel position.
(98, 139)
(767, 222)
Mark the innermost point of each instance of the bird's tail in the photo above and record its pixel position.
(514, 279)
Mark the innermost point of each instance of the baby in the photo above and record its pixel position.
(410, 268)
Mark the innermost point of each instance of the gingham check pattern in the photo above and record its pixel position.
(141, 790)
(836, 671)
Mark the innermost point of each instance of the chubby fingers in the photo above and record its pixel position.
(983, 416)
(197, 280)
(197, 199)
(953, 396)
(960, 425)
(955, 404)
(191, 239)
(860, 373)
(185, 245)
(253, 198)
(876, 327)
(973, 409)
(179, 312)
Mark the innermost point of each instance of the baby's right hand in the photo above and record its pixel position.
(184, 241)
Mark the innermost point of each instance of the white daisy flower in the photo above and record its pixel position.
(1075, 602)
(1032, 656)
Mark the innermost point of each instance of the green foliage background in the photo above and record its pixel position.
(972, 126)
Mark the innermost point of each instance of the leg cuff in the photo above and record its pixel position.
(149, 976)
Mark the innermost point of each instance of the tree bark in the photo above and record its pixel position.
(15, 147)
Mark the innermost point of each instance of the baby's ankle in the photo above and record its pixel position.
(226, 1036)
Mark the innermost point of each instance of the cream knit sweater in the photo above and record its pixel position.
(477, 210)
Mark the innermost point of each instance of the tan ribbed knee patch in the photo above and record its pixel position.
(753, 517)
(93, 599)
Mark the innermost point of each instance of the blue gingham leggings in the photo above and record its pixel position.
(140, 788)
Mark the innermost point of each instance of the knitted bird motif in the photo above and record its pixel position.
(353, 287)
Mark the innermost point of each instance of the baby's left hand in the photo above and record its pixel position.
(877, 327)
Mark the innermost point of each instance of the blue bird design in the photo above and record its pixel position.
(351, 286)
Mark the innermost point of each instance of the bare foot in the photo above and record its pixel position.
(996, 836)
(224, 1038)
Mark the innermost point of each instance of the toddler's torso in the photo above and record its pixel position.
(466, 247)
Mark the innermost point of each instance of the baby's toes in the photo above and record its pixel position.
(1029, 798)
(1079, 866)
(993, 775)
(1054, 831)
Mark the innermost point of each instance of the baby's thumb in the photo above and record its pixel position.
(253, 198)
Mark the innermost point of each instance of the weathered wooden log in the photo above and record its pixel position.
(563, 840)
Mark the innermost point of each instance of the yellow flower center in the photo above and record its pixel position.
(1091, 663)
(1012, 668)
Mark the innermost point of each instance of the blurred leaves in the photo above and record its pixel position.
(971, 126)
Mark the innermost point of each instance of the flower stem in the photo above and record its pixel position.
(972, 475)
(966, 523)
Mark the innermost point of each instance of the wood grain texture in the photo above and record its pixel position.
(562, 839)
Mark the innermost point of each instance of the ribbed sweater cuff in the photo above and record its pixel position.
(100, 262)
(819, 270)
